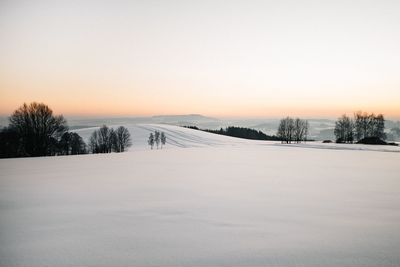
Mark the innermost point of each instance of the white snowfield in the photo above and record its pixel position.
(203, 200)
(176, 136)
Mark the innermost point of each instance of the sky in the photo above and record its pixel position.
(216, 58)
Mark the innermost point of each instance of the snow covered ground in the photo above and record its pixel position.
(177, 137)
(204, 200)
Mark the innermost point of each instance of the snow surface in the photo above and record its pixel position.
(176, 136)
(220, 201)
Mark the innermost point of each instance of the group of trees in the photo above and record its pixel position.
(344, 130)
(292, 130)
(72, 144)
(243, 132)
(107, 140)
(35, 131)
(289, 130)
(158, 138)
(363, 126)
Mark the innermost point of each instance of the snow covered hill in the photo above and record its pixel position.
(176, 136)
(183, 138)
(205, 200)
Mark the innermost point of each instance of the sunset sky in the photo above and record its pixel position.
(216, 58)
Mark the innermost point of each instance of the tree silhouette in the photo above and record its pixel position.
(157, 138)
(363, 126)
(72, 144)
(344, 130)
(121, 139)
(38, 129)
(240, 132)
(107, 140)
(151, 140)
(94, 143)
(9, 143)
(163, 139)
(101, 140)
(292, 130)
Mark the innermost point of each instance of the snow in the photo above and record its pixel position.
(204, 200)
(320, 145)
(176, 136)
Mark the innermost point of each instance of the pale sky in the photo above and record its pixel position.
(216, 58)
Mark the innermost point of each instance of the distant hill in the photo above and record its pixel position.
(184, 116)
(184, 119)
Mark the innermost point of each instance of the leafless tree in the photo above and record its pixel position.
(299, 130)
(157, 138)
(94, 143)
(151, 140)
(101, 141)
(163, 139)
(71, 144)
(38, 129)
(344, 130)
(369, 125)
(361, 124)
(121, 139)
(289, 129)
(282, 130)
(292, 130)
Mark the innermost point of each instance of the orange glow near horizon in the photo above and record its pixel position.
(135, 106)
(267, 112)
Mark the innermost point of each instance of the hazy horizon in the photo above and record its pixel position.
(259, 59)
(330, 118)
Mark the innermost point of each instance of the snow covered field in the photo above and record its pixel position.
(204, 200)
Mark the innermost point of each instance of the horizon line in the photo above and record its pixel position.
(217, 117)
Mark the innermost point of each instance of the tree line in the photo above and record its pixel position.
(240, 132)
(157, 139)
(292, 130)
(361, 127)
(107, 140)
(35, 131)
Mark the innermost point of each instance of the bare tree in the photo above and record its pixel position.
(289, 129)
(299, 130)
(379, 126)
(344, 130)
(286, 130)
(361, 124)
(369, 125)
(157, 138)
(292, 130)
(101, 140)
(282, 131)
(106, 137)
(122, 139)
(94, 143)
(151, 140)
(78, 146)
(72, 144)
(163, 139)
(38, 129)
